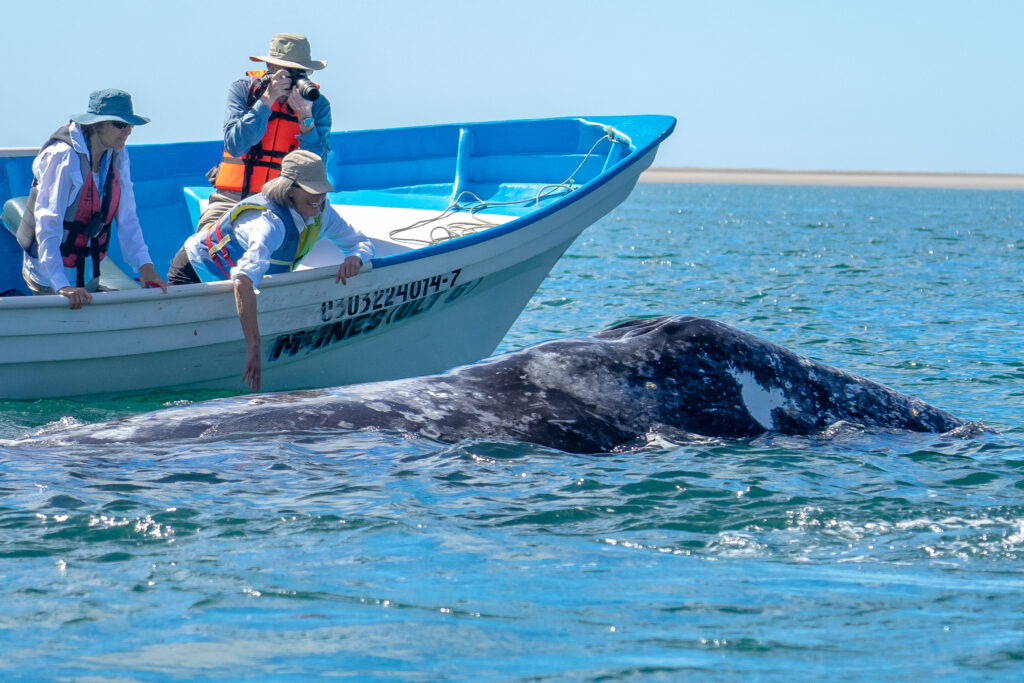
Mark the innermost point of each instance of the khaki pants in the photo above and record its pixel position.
(91, 286)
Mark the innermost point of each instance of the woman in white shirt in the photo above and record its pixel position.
(81, 184)
(269, 233)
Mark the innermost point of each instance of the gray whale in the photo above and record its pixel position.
(584, 395)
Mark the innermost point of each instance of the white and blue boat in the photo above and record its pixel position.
(467, 221)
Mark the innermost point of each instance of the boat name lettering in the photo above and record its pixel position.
(324, 335)
(387, 297)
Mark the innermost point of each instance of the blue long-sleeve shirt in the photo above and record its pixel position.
(244, 127)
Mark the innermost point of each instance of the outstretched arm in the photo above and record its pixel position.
(245, 304)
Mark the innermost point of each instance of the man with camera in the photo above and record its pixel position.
(269, 113)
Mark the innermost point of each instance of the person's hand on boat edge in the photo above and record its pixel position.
(348, 268)
(149, 278)
(77, 295)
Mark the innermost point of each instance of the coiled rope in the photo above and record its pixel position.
(443, 233)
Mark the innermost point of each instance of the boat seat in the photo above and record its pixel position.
(11, 282)
(111, 276)
(195, 200)
(13, 210)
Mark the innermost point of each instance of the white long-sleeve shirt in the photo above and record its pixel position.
(260, 234)
(59, 173)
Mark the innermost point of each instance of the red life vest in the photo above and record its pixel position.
(87, 218)
(248, 173)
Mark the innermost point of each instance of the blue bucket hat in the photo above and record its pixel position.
(110, 105)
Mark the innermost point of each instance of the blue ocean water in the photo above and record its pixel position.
(378, 556)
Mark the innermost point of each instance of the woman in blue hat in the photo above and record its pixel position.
(81, 184)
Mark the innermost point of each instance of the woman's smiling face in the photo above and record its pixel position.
(306, 204)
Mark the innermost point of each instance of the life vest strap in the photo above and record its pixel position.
(214, 248)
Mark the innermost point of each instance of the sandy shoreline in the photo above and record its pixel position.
(743, 176)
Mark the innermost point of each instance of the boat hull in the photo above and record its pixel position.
(408, 314)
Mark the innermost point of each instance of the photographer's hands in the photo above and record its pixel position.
(302, 107)
(280, 85)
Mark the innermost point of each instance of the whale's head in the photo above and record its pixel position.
(683, 365)
(716, 379)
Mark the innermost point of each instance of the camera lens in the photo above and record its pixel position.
(307, 89)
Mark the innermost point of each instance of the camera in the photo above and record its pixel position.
(306, 87)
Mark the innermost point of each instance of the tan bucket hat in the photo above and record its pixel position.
(306, 170)
(290, 50)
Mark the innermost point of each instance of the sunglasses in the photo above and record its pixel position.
(120, 125)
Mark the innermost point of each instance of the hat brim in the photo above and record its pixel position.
(319, 187)
(314, 64)
(131, 120)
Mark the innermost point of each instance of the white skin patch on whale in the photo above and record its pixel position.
(759, 401)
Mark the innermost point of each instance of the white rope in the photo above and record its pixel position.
(443, 233)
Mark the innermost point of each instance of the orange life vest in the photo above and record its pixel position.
(248, 173)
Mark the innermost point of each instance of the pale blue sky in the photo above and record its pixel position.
(908, 85)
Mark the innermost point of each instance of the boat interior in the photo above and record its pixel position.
(404, 188)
